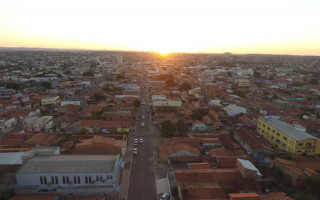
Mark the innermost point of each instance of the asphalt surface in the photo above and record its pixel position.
(142, 176)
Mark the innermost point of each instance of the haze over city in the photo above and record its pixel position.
(267, 27)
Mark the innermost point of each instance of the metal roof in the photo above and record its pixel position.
(70, 164)
(248, 165)
(287, 129)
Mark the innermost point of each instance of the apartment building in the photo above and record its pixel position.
(287, 137)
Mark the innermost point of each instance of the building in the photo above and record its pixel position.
(233, 110)
(71, 102)
(242, 82)
(210, 90)
(38, 124)
(287, 137)
(50, 100)
(78, 175)
(167, 102)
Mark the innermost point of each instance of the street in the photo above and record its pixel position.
(142, 178)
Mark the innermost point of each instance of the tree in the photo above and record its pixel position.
(170, 82)
(181, 127)
(46, 84)
(185, 87)
(229, 74)
(136, 103)
(256, 74)
(167, 129)
(99, 97)
(239, 93)
(45, 113)
(88, 73)
(313, 82)
(199, 113)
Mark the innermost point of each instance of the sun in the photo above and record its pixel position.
(164, 52)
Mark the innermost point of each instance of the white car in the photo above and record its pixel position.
(136, 141)
(165, 196)
(135, 150)
(142, 124)
(141, 140)
(143, 117)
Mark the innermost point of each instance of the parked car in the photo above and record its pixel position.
(142, 124)
(141, 140)
(165, 196)
(136, 141)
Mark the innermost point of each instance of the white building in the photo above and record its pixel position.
(166, 102)
(50, 100)
(71, 102)
(234, 110)
(78, 175)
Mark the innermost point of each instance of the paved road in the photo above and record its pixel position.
(142, 178)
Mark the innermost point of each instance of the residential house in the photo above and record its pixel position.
(50, 100)
(179, 153)
(38, 124)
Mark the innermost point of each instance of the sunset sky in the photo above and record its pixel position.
(236, 26)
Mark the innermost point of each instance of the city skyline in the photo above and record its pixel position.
(266, 27)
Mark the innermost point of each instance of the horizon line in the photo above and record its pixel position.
(148, 51)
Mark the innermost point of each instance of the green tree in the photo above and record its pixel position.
(199, 113)
(6, 195)
(185, 87)
(99, 97)
(45, 113)
(136, 103)
(229, 74)
(88, 73)
(46, 84)
(167, 129)
(170, 82)
(256, 74)
(313, 82)
(181, 127)
(239, 93)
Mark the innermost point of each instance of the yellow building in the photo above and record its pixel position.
(50, 100)
(287, 137)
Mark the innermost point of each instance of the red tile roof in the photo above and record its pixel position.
(206, 175)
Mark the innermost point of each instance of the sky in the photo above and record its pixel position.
(210, 26)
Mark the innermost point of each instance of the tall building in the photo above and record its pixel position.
(119, 59)
(287, 137)
(210, 90)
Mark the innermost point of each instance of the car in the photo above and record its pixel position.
(136, 141)
(142, 124)
(143, 117)
(165, 196)
(135, 150)
(141, 140)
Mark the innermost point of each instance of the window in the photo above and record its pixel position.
(299, 151)
(67, 178)
(52, 179)
(41, 180)
(45, 180)
(86, 180)
(79, 182)
(308, 144)
(100, 178)
(107, 176)
(111, 177)
(300, 144)
(64, 180)
(97, 178)
(90, 180)
(57, 182)
(75, 180)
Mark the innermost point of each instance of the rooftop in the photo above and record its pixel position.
(287, 128)
(69, 164)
